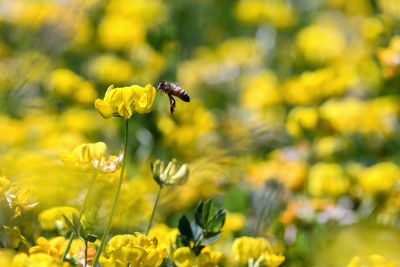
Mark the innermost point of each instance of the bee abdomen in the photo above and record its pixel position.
(183, 95)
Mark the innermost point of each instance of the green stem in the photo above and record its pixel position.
(86, 248)
(114, 205)
(154, 210)
(83, 209)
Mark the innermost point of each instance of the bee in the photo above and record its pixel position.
(173, 90)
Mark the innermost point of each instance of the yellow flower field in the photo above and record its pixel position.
(200, 133)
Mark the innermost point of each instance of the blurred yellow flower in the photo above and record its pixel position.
(234, 222)
(321, 43)
(311, 87)
(373, 261)
(109, 68)
(219, 64)
(64, 82)
(291, 173)
(260, 91)
(279, 13)
(120, 101)
(328, 146)
(51, 219)
(379, 178)
(390, 58)
(390, 7)
(15, 237)
(150, 13)
(135, 249)
(185, 134)
(327, 179)
(250, 249)
(4, 186)
(55, 246)
(354, 7)
(85, 156)
(37, 260)
(6, 257)
(300, 119)
(116, 32)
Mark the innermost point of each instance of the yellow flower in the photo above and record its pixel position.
(327, 179)
(144, 98)
(56, 246)
(6, 257)
(4, 186)
(165, 236)
(121, 102)
(18, 200)
(135, 249)
(170, 175)
(85, 156)
(390, 58)
(37, 260)
(234, 222)
(208, 258)
(64, 82)
(301, 118)
(15, 237)
(185, 257)
(256, 250)
(374, 261)
(321, 43)
(279, 13)
(117, 32)
(379, 178)
(109, 68)
(52, 219)
(260, 91)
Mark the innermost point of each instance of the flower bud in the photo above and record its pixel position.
(170, 175)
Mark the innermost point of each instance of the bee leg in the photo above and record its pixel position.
(172, 103)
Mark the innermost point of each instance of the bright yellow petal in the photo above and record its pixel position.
(106, 110)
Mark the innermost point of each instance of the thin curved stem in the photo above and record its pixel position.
(154, 210)
(114, 205)
(81, 212)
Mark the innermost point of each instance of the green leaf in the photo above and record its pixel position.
(91, 238)
(218, 222)
(69, 224)
(198, 249)
(197, 230)
(210, 238)
(198, 214)
(167, 263)
(184, 228)
(82, 232)
(181, 241)
(76, 222)
(208, 212)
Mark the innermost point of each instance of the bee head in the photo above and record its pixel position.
(160, 85)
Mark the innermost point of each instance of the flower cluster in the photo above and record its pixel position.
(286, 155)
(135, 249)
